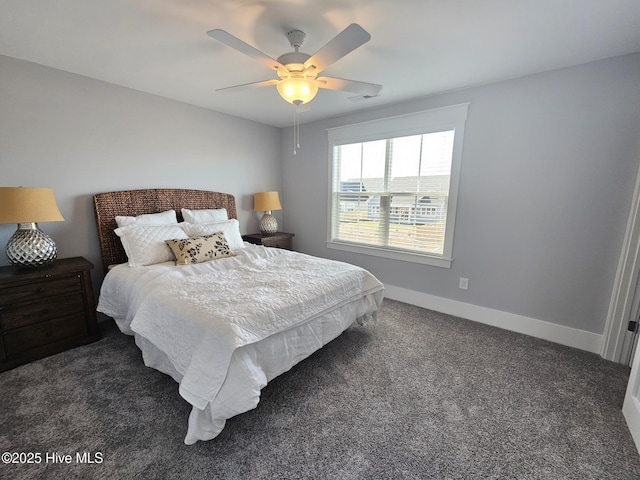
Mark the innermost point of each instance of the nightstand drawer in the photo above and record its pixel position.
(34, 291)
(23, 314)
(277, 243)
(276, 240)
(23, 339)
(45, 310)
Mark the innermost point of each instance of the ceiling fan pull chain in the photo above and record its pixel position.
(298, 121)
(295, 121)
(296, 129)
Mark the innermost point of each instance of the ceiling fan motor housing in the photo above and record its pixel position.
(296, 38)
(294, 61)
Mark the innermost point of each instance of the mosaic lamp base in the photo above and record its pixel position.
(268, 224)
(30, 247)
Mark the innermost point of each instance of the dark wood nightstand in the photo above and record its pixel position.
(45, 310)
(278, 240)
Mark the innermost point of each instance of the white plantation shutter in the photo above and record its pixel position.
(394, 185)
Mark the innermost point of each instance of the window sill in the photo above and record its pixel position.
(392, 254)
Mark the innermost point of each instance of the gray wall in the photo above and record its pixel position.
(81, 136)
(548, 171)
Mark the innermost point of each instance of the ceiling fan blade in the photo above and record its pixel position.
(345, 42)
(360, 98)
(245, 86)
(363, 88)
(245, 48)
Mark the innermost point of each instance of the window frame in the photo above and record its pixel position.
(417, 123)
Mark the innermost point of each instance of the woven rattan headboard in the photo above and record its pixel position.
(155, 200)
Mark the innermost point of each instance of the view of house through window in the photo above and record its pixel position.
(394, 192)
(394, 185)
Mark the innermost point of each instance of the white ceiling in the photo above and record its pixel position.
(418, 47)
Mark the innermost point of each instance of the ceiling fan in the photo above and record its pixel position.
(298, 81)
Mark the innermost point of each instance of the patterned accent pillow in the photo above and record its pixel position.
(200, 249)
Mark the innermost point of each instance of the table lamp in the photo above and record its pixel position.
(266, 202)
(26, 206)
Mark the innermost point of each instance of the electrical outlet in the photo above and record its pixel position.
(464, 283)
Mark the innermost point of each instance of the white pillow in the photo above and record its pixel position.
(205, 216)
(230, 228)
(164, 218)
(144, 244)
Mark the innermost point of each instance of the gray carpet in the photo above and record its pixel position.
(418, 395)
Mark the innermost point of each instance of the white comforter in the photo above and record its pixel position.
(222, 329)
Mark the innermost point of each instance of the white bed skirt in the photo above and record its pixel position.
(252, 366)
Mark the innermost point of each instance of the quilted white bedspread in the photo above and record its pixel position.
(194, 321)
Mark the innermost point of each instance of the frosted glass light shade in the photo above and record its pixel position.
(297, 89)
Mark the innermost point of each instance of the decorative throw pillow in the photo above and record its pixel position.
(200, 249)
(210, 215)
(144, 244)
(230, 228)
(163, 218)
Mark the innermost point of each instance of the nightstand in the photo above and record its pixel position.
(45, 310)
(278, 240)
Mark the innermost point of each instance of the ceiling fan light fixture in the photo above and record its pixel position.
(297, 90)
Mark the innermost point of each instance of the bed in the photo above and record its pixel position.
(222, 328)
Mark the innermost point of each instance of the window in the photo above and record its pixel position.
(394, 185)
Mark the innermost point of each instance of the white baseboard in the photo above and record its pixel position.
(553, 332)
